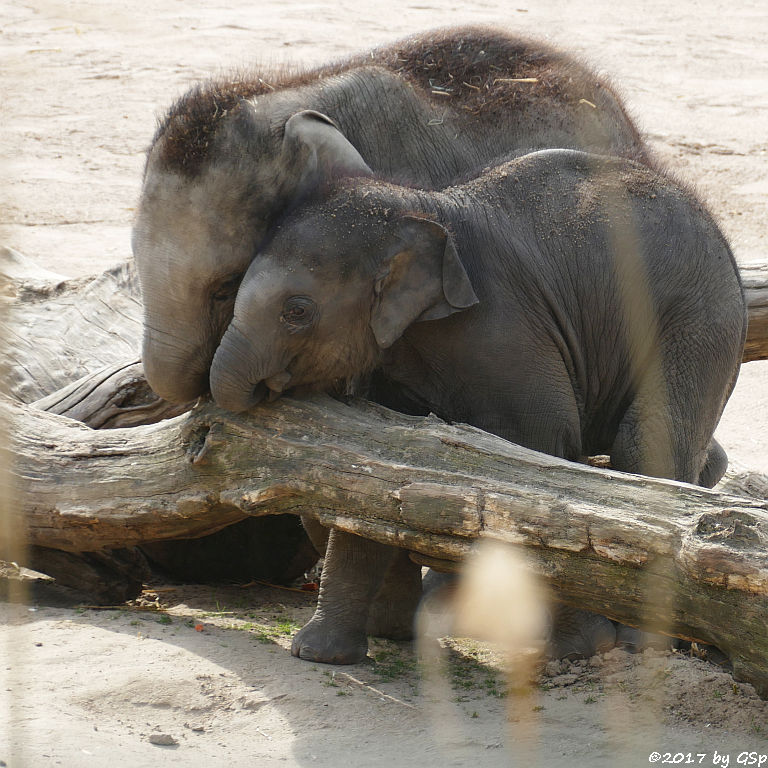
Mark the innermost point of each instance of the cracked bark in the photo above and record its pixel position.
(666, 556)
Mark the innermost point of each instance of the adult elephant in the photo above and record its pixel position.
(234, 155)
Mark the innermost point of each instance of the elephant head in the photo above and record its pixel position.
(329, 293)
(201, 219)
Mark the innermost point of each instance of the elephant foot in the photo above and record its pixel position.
(319, 641)
(578, 634)
(635, 640)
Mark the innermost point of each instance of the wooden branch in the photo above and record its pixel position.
(60, 330)
(115, 396)
(755, 279)
(662, 555)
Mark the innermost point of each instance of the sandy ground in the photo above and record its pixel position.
(82, 83)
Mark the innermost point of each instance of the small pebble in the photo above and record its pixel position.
(163, 740)
(563, 680)
(553, 668)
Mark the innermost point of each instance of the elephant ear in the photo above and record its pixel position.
(422, 278)
(315, 140)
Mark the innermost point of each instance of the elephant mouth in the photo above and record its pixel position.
(270, 388)
(260, 392)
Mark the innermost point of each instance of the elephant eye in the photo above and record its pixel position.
(227, 289)
(298, 312)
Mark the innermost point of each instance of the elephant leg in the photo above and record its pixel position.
(666, 432)
(714, 466)
(393, 610)
(652, 440)
(667, 429)
(578, 634)
(317, 533)
(352, 575)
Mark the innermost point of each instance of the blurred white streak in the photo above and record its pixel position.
(497, 599)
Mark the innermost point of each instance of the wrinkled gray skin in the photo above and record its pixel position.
(574, 304)
(231, 158)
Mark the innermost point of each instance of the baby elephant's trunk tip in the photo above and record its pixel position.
(237, 398)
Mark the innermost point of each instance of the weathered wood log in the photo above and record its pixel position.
(60, 330)
(275, 549)
(115, 396)
(755, 279)
(613, 543)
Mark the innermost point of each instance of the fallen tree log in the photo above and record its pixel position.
(613, 543)
(115, 396)
(59, 330)
(754, 276)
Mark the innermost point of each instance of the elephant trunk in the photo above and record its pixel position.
(235, 384)
(175, 373)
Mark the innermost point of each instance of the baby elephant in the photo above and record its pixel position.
(571, 303)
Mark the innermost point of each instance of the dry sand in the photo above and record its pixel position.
(82, 83)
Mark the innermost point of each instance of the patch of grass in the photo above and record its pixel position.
(491, 685)
(164, 618)
(473, 667)
(393, 662)
(267, 633)
(330, 681)
(246, 626)
(287, 627)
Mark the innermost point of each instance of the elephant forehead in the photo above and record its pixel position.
(322, 237)
(269, 280)
(199, 223)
